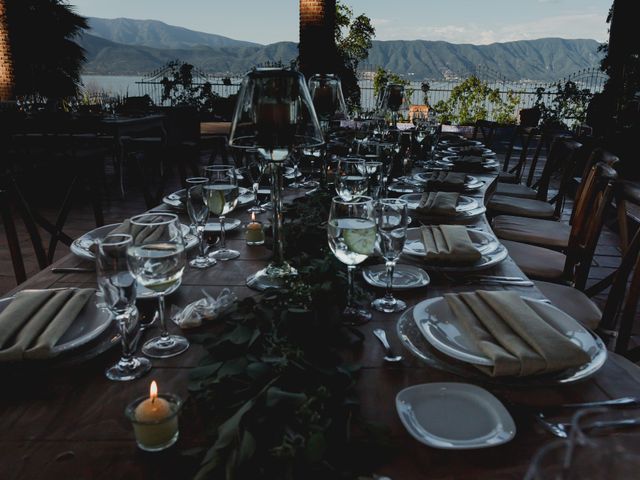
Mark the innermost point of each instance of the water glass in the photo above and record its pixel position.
(351, 233)
(391, 221)
(118, 288)
(157, 259)
(199, 213)
(351, 178)
(255, 168)
(222, 197)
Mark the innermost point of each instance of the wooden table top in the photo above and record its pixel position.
(68, 423)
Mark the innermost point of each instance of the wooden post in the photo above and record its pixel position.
(317, 37)
(6, 61)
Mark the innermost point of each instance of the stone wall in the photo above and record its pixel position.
(6, 62)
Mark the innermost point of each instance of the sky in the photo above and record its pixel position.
(456, 21)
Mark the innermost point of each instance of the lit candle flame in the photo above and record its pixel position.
(253, 216)
(153, 391)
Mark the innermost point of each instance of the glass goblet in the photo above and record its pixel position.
(118, 288)
(391, 221)
(157, 259)
(199, 213)
(351, 233)
(222, 197)
(351, 178)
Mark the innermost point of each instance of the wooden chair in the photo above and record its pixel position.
(573, 267)
(528, 140)
(615, 322)
(83, 161)
(487, 129)
(562, 157)
(548, 233)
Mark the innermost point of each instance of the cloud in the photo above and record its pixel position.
(584, 25)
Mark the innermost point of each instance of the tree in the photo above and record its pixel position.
(353, 36)
(46, 59)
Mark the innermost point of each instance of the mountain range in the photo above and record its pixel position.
(135, 47)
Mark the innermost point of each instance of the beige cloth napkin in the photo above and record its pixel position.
(448, 181)
(448, 244)
(520, 338)
(35, 320)
(139, 234)
(438, 203)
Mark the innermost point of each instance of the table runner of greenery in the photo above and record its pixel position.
(274, 391)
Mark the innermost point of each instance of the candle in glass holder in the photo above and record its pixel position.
(324, 102)
(255, 232)
(155, 419)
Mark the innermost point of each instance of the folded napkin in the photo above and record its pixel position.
(520, 338)
(448, 244)
(140, 234)
(438, 203)
(35, 320)
(471, 150)
(469, 163)
(208, 308)
(447, 181)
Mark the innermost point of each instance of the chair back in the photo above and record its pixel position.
(620, 310)
(487, 129)
(588, 221)
(561, 158)
(599, 155)
(529, 139)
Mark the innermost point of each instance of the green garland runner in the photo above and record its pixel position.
(274, 391)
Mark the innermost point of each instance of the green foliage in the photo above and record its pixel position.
(274, 393)
(46, 59)
(568, 103)
(470, 101)
(353, 37)
(180, 90)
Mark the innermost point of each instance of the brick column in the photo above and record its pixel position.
(317, 41)
(6, 61)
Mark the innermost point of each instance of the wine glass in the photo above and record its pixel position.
(351, 232)
(199, 213)
(221, 195)
(391, 221)
(351, 178)
(392, 100)
(255, 168)
(275, 115)
(118, 288)
(328, 100)
(157, 259)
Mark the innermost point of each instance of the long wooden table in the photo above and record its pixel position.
(69, 423)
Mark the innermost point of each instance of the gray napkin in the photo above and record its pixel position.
(521, 338)
(35, 320)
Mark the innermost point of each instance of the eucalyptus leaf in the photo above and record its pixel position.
(316, 447)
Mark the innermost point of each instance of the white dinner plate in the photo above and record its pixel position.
(454, 416)
(465, 203)
(90, 322)
(444, 331)
(486, 152)
(405, 277)
(471, 183)
(229, 224)
(82, 246)
(176, 199)
(483, 241)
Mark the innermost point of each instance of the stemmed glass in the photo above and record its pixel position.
(255, 168)
(199, 213)
(328, 99)
(391, 220)
(351, 232)
(275, 115)
(351, 178)
(221, 195)
(118, 288)
(392, 100)
(157, 258)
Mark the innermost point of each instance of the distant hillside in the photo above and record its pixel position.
(152, 33)
(135, 47)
